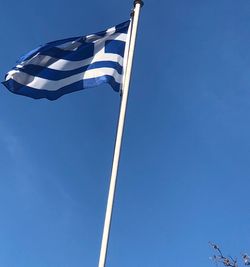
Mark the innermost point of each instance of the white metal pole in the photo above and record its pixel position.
(108, 216)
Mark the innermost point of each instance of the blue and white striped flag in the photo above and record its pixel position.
(72, 64)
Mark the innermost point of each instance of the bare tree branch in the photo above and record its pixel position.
(220, 259)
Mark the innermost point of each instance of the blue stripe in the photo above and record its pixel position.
(64, 41)
(20, 89)
(55, 75)
(83, 52)
(115, 47)
(122, 27)
(33, 52)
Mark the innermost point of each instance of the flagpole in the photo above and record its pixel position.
(124, 97)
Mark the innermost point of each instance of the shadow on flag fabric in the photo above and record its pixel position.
(70, 65)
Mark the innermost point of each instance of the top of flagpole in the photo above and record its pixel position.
(139, 2)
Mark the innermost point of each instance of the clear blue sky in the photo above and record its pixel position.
(184, 175)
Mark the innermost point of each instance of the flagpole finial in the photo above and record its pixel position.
(139, 2)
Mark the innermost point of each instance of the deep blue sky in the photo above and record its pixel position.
(184, 175)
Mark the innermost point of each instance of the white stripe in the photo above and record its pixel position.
(111, 30)
(62, 64)
(70, 46)
(94, 73)
(41, 83)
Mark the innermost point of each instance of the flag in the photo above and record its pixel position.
(71, 64)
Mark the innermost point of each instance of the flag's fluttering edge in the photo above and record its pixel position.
(72, 64)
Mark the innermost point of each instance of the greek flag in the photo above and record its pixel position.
(72, 64)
